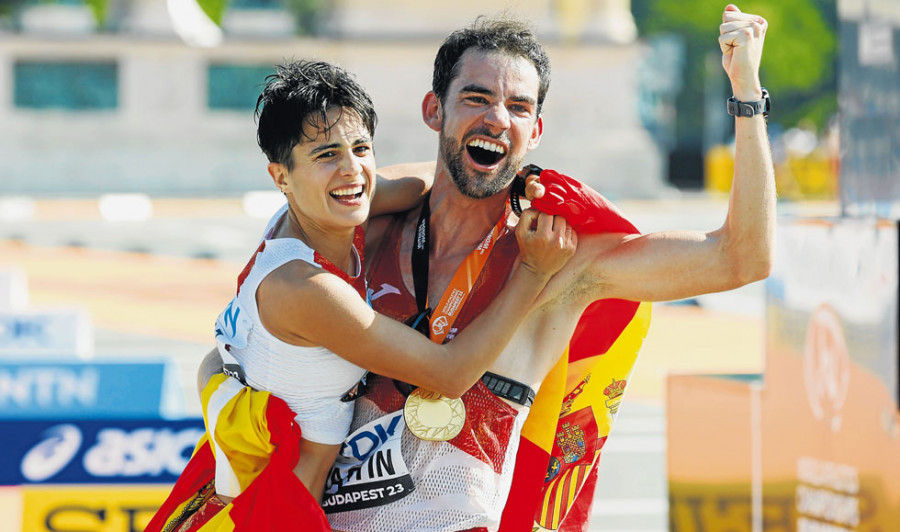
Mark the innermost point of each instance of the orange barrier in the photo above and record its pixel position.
(814, 443)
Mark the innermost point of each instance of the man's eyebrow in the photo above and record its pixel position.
(481, 89)
(523, 99)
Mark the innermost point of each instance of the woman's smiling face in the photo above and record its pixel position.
(333, 176)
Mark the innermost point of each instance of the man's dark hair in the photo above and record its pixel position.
(507, 36)
(301, 93)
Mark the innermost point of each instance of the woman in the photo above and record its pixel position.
(300, 326)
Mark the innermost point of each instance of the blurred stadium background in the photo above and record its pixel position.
(132, 191)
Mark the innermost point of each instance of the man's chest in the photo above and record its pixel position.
(396, 276)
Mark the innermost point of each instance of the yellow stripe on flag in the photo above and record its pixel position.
(221, 522)
(241, 430)
(609, 373)
(540, 426)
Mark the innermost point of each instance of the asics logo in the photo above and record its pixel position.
(50, 456)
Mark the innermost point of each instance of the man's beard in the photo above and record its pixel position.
(477, 185)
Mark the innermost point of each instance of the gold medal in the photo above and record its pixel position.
(433, 417)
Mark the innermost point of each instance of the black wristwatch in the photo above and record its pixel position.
(736, 108)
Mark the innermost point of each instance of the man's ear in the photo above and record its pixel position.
(431, 111)
(279, 175)
(536, 133)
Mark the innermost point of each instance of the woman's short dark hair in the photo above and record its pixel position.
(301, 93)
(507, 36)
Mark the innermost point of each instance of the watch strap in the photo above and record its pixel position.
(746, 109)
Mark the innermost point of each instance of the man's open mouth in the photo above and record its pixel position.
(485, 152)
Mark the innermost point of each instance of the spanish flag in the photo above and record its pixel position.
(570, 420)
(250, 449)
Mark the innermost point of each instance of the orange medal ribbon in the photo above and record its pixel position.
(460, 287)
(429, 415)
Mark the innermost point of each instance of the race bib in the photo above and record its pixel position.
(369, 470)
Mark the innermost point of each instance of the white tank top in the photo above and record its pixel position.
(311, 380)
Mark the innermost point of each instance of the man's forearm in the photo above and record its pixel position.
(211, 364)
(751, 214)
(401, 187)
(750, 226)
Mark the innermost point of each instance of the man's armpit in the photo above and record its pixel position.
(581, 281)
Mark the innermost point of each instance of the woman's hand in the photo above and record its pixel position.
(533, 187)
(546, 242)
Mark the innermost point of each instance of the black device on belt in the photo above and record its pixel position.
(502, 387)
(508, 389)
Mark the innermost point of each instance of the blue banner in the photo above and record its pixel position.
(68, 389)
(94, 452)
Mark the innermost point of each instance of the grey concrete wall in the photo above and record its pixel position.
(163, 140)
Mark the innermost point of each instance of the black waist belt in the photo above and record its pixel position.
(502, 387)
(508, 389)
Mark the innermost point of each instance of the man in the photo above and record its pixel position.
(488, 87)
(408, 464)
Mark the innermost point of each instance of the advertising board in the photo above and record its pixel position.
(96, 452)
(90, 508)
(813, 445)
(58, 332)
(54, 389)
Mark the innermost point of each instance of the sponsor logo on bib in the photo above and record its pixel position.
(369, 470)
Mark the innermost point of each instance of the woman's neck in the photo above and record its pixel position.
(335, 245)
